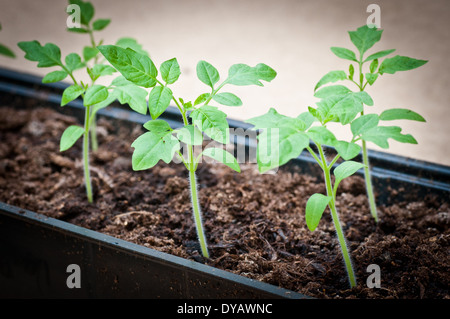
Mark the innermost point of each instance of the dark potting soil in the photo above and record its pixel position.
(254, 223)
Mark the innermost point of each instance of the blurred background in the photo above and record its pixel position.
(292, 36)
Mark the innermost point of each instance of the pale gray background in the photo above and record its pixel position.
(293, 37)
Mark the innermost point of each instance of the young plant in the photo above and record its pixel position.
(94, 96)
(4, 50)
(283, 138)
(339, 98)
(162, 142)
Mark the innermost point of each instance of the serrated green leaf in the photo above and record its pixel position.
(315, 206)
(150, 148)
(332, 90)
(71, 93)
(207, 73)
(344, 53)
(331, 77)
(347, 150)
(212, 121)
(322, 135)
(100, 24)
(132, 95)
(242, 74)
(202, 98)
(222, 156)
(401, 114)
(342, 108)
(54, 76)
(131, 43)
(4, 50)
(190, 135)
(157, 126)
(70, 136)
(364, 38)
(95, 94)
(273, 119)
(379, 135)
(345, 170)
(46, 56)
(170, 71)
(135, 67)
(159, 100)
(228, 99)
(364, 123)
(399, 63)
(276, 146)
(378, 55)
(73, 62)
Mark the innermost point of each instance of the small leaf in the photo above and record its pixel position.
(190, 135)
(170, 71)
(202, 98)
(351, 71)
(242, 74)
(331, 91)
(307, 118)
(95, 94)
(100, 24)
(322, 135)
(344, 53)
(157, 126)
(159, 100)
(399, 63)
(213, 122)
(222, 156)
(70, 136)
(89, 53)
(364, 123)
(54, 76)
(364, 37)
(315, 206)
(73, 62)
(207, 73)
(71, 93)
(133, 95)
(347, 150)
(47, 55)
(228, 99)
(331, 77)
(4, 50)
(131, 43)
(401, 114)
(379, 135)
(373, 66)
(273, 119)
(345, 170)
(371, 77)
(378, 55)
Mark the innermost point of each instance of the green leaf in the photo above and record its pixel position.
(399, 63)
(331, 77)
(132, 95)
(98, 106)
(207, 73)
(373, 66)
(242, 74)
(306, 118)
(378, 55)
(78, 30)
(315, 206)
(170, 71)
(322, 135)
(89, 53)
(343, 108)
(379, 135)
(70, 136)
(332, 90)
(364, 123)
(401, 114)
(100, 70)
(100, 24)
(54, 76)
(159, 100)
(71, 93)
(202, 98)
(47, 55)
(86, 10)
(150, 148)
(222, 156)
(213, 122)
(4, 50)
(276, 146)
(344, 53)
(95, 94)
(345, 170)
(228, 99)
(131, 43)
(190, 135)
(351, 71)
(157, 126)
(347, 150)
(273, 119)
(371, 77)
(364, 37)
(135, 67)
(73, 62)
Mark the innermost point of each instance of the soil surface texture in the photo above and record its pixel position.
(254, 223)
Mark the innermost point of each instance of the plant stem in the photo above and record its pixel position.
(93, 130)
(195, 205)
(336, 221)
(87, 176)
(368, 179)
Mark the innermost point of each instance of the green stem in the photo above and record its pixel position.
(368, 179)
(87, 177)
(93, 130)
(336, 221)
